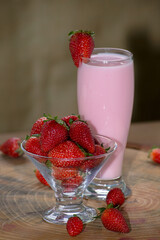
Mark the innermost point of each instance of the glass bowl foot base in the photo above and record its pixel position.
(60, 215)
(99, 189)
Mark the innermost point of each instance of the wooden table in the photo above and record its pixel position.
(23, 199)
(145, 133)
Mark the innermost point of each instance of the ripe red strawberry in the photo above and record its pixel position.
(70, 119)
(33, 146)
(74, 226)
(63, 155)
(72, 182)
(64, 173)
(41, 178)
(99, 150)
(81, 45)
(113, 220)
(52, 134)
(80, 133)
(11, 147)
(116, 197)
(93, 162)
(154, 154)
(37, 126)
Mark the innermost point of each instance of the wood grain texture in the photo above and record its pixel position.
(23, 200)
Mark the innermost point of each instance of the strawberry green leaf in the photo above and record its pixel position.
(19, 151)
(82, 149)
(101, 210)
(110, 205)
(27, 137)
(48, 164)
(149, 152)
(36, 135)
(71, 121)
(71, 33)
(88, 154)
(59, 121)
(49, 117)
(33, 135)
(107, 149)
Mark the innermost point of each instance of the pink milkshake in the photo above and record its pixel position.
(105, 91)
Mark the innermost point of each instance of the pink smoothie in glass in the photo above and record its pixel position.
(105, 89)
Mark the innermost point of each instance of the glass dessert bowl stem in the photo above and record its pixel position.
(68, 208)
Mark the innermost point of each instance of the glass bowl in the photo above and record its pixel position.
(70, 181)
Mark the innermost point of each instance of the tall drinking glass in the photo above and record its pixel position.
(105, 91)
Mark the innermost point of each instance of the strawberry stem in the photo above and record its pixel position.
(91, 33)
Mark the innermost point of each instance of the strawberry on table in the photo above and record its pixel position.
(81, 45)
(52, 134)
(63, 155)
(40, 177)
(154, 154)
(37, 126)
(80, 133)
(74, 226)
(113, 220)
(11, 147)
(116, 197)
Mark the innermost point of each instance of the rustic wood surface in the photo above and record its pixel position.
(23, 199)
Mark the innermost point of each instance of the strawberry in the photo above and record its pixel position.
(99, 150)
(52, 134)
(63, 155)
(154, 154)
(33, 146)
(80, 133)
(64, 173)
(113, 220)
(41, 178)
(11, 147)
(74, 226)
(72, 182)
(116, 197)
(70, 119)
(81, 45)
(37, 126)
(91, 163)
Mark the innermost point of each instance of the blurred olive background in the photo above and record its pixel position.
(37, 74)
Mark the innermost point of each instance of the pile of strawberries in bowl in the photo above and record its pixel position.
(68, 156)
(66, 143)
